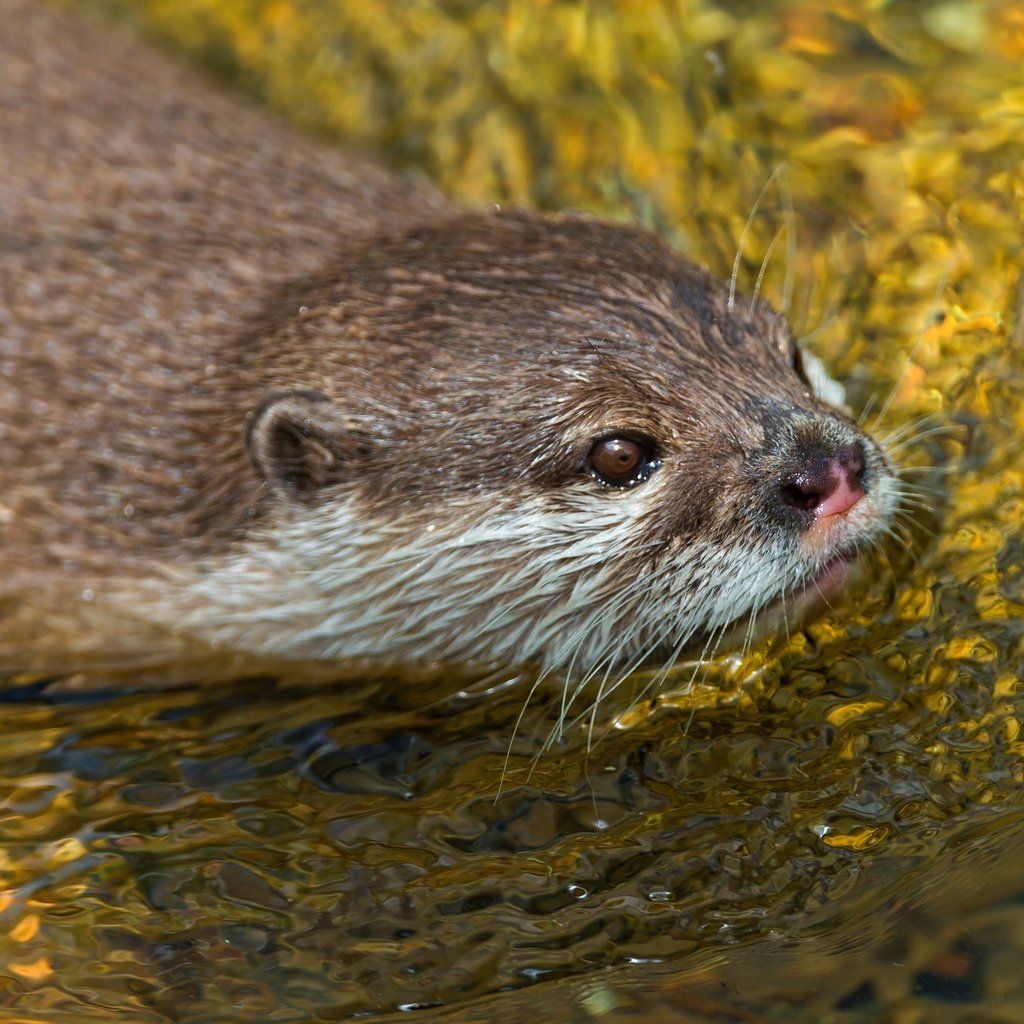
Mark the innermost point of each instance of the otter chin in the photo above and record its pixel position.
(398, 432)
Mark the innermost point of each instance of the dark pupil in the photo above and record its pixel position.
(617, 458)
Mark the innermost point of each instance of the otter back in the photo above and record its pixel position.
(143, 215)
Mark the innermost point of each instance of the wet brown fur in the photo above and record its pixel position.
(145, 216)
(171, 260)
(572, 326)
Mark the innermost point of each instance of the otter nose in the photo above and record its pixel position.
(828, 486)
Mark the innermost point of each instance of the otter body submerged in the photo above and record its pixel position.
(259, 396)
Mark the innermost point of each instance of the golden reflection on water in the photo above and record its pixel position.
(802, 839)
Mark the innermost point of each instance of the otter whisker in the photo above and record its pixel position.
(743, 235)
(622, 674)
(916, 487)
(515, 732)
(894, 390)
(911, 427)
(652, 684)
(940, 471)
(866, 410)
(620, 679)
(789, 215)
(895, 447)
(609, 662)
(921, 503)
(764, 263)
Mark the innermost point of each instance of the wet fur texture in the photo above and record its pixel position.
(263, 397)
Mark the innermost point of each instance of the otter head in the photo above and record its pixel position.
(514, 437)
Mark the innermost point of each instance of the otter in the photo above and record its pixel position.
(261, 396)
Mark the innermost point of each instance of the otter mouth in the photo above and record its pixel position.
(831, 580)
(817, 593)
(790, 610)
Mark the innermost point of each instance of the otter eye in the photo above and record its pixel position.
(620, 461)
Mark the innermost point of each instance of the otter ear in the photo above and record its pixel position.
(298, 442)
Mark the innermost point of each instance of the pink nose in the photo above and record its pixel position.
(829, 486)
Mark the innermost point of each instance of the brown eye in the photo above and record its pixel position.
(620, 461)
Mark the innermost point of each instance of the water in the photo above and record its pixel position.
(828, 830)
(208, 857)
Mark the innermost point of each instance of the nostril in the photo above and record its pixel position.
(804, 492)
